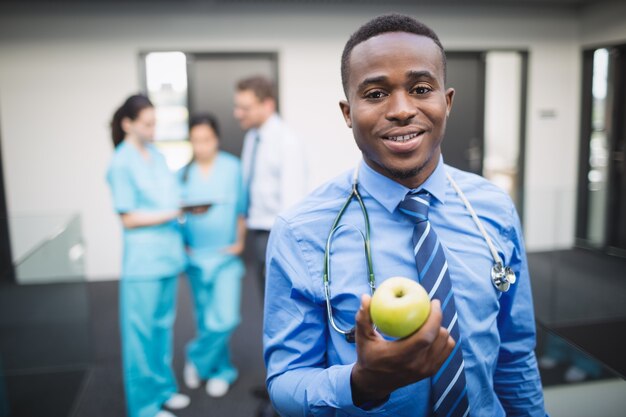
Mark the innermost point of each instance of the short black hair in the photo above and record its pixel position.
(392, 22)
(205, 119)
(199, 119)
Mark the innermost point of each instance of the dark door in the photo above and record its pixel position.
(6, 261)
(212, 81)
(463, 144)
(617, 157)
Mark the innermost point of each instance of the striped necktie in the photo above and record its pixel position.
(449, 392)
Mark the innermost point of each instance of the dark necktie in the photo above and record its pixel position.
(449, 391)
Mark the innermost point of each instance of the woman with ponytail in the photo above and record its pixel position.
(146, 196)
(215, 241)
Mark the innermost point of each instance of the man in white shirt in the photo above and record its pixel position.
(274, 166)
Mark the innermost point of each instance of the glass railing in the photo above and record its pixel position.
(572, 285)
(45, 347)
(47, 248)
(575, 383)
(580, 307)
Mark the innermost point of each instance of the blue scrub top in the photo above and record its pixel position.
(147, 184)
(208, 233)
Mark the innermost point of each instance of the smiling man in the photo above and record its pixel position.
(475, 352)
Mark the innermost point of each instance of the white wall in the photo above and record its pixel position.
(62, 76)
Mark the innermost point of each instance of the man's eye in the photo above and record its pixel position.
(422, 90)
(374, 94)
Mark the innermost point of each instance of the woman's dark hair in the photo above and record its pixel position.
(131, 109)
(205, 119)
(197, 120)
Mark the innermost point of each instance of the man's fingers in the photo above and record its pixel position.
(443, 344)
(430, 329)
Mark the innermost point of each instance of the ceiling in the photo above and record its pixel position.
(326, 2)
(45, 6)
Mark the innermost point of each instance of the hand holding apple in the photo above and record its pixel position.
(382, 366)
(399, 306)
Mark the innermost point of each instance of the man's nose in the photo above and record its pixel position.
(400, 107)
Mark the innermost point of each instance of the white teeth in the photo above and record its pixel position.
(403, 138)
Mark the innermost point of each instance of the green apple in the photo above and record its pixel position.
(399, 306)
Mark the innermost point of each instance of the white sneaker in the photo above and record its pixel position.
(177, 401)
(216, 387)
(164, 413)
(190, 376)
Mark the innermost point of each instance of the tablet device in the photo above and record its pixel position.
(196, 208)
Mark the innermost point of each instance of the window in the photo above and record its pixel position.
(601, 223)
(166, 81)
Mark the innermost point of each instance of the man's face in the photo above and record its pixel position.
(398, 105)
(250, 111)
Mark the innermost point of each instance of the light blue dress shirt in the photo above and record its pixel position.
(140, 184)
(309, 364)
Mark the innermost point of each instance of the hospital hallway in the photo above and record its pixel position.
(61, 349)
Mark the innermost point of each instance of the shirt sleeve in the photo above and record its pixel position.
(295, 335)
(246, 155)
(516, 379)
(293, 176)
(122, 190)
(240, 190)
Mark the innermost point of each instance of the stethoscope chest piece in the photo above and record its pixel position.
(502, 277)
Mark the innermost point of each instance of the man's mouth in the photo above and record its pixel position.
(402, 138)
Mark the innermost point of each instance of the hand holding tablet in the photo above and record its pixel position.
(196, 208)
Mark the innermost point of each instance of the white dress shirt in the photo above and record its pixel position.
(280, 173)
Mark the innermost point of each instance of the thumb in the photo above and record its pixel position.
(364, 326)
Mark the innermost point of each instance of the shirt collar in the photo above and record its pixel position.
(390, 193)
(268, 125)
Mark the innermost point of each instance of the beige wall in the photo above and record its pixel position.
(61, 77)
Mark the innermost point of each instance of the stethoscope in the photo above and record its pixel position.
(501, 276)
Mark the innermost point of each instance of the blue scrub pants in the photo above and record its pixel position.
(216, 290)
(147, 313)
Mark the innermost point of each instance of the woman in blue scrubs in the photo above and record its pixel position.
(146, 196)
(215, 241)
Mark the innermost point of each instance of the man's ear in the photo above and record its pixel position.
(449, 100)
(345, 111)
(270, 105)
